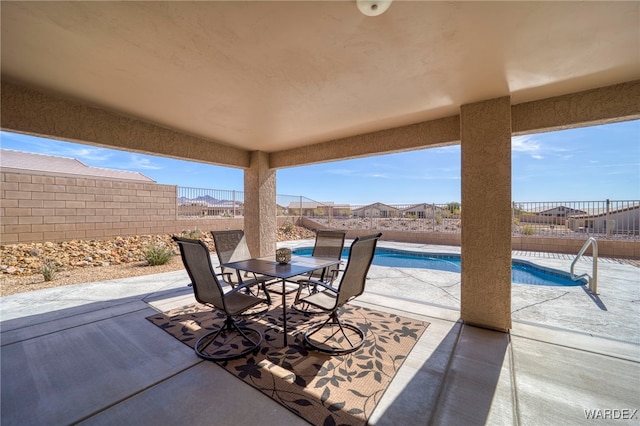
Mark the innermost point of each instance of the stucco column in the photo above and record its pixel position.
(485, 133)
(260, 224)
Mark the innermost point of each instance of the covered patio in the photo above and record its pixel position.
(85, 354)
(266, 85)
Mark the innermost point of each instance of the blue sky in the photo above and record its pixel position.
(592, 163)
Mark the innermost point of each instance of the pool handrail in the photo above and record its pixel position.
(593, 278)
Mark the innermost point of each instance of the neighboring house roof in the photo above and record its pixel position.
(341, 206)
(379, 206)
(547, 209)
(64, 165)
(594, 213)
(421, 206)
(310, 204)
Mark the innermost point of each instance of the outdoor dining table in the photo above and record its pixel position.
(298, 265)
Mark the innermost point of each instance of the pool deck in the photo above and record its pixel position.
(614, 313)
(84, 354)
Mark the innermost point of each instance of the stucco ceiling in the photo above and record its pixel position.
(269, 76)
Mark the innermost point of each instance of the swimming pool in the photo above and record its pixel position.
(522, 272)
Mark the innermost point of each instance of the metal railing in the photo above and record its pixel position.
(420, 217)
(607, 219)
(593, 278)
(201, 202)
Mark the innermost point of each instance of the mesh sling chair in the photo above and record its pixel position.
(334, 336)
(329, 244)
(231, 246)
(231, 340)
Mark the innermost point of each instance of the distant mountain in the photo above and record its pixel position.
(208, 199)
(205, 200)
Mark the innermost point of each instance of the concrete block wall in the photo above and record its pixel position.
(629, 249)
(52, 207)
(40, 207)
(55, 207)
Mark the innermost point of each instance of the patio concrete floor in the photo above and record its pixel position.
(85, 354)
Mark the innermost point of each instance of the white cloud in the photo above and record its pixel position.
(599, 166)
(89, 154)
(533, 146)
(341, 172)
(136, 162)
(526, 144)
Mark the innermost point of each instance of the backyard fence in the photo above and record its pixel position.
(612, 219)
(607, 219)
(201, 202)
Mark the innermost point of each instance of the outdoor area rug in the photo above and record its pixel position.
(322, 389)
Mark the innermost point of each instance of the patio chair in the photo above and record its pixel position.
(231, 340)
(329, 243)
(231, 246)
(334, 336)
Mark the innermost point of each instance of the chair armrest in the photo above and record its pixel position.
(334, 274)
(246, 284)
(237, 289)
(243, 285)
(317, 283)
(226, 277)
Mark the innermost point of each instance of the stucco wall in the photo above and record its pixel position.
(54, 207)
(606, 248)
(260, 205)
(25, 110)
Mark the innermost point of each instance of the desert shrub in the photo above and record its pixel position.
(157, 254)
(48, 269)
(453, 208)
(439, 218)
(194, 235)
(528, 230)
(287, 227)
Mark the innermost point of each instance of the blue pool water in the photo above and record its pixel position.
(521, 272)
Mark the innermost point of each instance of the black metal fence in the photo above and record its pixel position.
(611, 219)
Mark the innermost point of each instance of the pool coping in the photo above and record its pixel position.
(442, 255)
(610, 314)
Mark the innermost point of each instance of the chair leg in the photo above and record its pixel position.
(266, 292)
(330, 344)
(222, 351)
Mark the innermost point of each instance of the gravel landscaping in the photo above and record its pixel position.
(81, 261)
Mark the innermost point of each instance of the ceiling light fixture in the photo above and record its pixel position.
(373, 7)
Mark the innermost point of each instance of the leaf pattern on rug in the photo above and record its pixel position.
(322, 389)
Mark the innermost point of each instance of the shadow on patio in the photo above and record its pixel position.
(102, 362)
